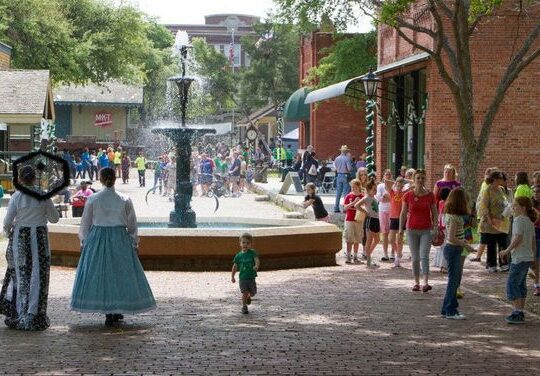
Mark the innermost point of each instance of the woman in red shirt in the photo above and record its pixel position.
(419, 212)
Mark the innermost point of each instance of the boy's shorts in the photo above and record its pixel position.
(374, 225)
(248, 286)
(354, 231)
(394, 224)
(516, 287)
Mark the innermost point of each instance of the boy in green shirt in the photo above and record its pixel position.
(247, 263)
(141, 168)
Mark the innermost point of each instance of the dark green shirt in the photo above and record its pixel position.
(245, 263)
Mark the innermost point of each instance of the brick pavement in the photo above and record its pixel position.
(343, 320)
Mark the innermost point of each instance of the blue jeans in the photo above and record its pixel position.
(342, 188)
(516, 287)
(452, 254)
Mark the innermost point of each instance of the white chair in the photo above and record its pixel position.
(327, 184)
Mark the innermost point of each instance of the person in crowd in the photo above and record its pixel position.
(523, 187)
(110, 155)
(118, 162)
(536, 264)
(94, 165)
(456, 248)
(66, 155)
(295, 167)
(354, 228)
(110, 278)
(289, 156)
(362, 176)
(234, 174)
(409, 179)
(311, 176)
(493, 224)
(80, 198)
(352, 172)
(79, 167)
(396, 198)
(23, 298)
(247, 263)
(483, 187)
(125, 163)
(170, 186)
(370, 205)
(439, 260)
(383, 197)
(206, 173)
(86, 164)
(158, 175)
(103, 160)
(361, 163)
(315, 201)
(243, 171)
(306, 161)
(522, 249)
(419, 217)
(449, 181)
(342, 166)
(249, 174)
(402, 171)
(140, 161)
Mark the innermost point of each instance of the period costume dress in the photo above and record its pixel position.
(110, 278)
(23, 298)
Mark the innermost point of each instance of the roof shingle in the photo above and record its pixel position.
(23, 91)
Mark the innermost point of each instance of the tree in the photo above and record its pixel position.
(454, 23)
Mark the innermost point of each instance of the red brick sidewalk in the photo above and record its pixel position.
(340, 320)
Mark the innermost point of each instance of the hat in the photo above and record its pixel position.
(344, 148)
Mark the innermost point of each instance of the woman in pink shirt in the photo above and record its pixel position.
(419, 212)
(79, 200)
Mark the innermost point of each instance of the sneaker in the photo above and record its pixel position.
(492, 269)
(459, 294)
(457, 316)
(385, 258)
(392, 258)
(348, 261)
(357, 261)
(248, 300)
(245, 310)
(516, 318)
(416, 288)
(505, 268)
(426, 288)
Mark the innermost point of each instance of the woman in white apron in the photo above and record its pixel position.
(23, 298)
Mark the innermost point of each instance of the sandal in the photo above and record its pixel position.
(426, 288)
(416, 288)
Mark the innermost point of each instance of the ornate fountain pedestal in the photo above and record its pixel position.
(183, 215)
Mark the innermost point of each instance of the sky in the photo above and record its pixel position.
(193, 11)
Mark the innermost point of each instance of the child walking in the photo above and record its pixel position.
(523, 252)
(247, 263)
(315, 201)
(371, 206)
(354, 230)
(439, 261)
(396, 196)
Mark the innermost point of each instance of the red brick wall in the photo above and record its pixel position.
(512, 145)
(333, 123)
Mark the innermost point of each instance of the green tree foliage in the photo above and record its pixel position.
(82, 41)
(273, 73)
(348, 57)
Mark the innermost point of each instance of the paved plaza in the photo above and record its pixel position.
(342, 320)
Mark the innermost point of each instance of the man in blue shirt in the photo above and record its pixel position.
(342, 165)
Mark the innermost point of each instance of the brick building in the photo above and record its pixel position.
(217, 30)
(331, 123)
(410, 73)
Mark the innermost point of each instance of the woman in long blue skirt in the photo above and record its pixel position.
(110, 278)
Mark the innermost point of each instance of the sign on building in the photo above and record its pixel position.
(103, 119)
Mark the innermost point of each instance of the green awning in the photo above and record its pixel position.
(295, 108)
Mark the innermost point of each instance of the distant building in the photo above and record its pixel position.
(96, 114)
(219, 30)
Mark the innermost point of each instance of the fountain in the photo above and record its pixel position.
(182, 215)
(175, 243)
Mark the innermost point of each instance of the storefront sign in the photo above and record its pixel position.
(103, 120)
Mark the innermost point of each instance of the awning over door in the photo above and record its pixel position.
(296, 108)
(352, 87)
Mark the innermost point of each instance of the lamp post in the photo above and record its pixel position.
(370, 81)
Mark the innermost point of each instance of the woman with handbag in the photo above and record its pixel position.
(419, 215)
(493, 224)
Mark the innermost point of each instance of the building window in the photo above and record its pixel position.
(247, 59)
(237, 52)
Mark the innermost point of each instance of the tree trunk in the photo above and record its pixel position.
(470, 159)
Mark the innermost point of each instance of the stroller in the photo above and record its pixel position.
(219, 187)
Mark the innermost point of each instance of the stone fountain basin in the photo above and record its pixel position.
(284, 244)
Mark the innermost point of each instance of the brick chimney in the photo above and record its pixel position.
(5, 56)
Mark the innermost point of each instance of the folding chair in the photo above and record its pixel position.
(327, 184)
